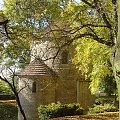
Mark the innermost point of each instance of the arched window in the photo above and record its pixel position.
(34, 87)
(64, 57)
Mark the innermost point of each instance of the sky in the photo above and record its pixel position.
(1, 2)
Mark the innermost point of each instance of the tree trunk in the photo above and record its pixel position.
(18, 101)
(116, 56)
(13, 88)
(118, 85)
(20, 107)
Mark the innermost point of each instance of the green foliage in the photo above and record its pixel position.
(109, 85)
(58, 110)
(14, 53)
(103, 108)
(91, 59)
(29, 20)
(5, 89)
(104, 100)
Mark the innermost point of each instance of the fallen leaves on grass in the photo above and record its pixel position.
(101, 116)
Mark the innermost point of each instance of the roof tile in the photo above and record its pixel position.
(37, 68)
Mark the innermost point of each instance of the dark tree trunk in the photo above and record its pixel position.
(13, 88)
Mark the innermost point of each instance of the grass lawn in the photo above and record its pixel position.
(8, 110)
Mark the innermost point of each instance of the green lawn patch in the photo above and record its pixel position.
(8, 110)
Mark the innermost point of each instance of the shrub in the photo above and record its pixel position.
(58, 110)
(103, 108)
(103, 101)
(4, 88)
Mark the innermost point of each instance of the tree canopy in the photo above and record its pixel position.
(88, 25)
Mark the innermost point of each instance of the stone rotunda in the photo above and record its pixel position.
(41, 82)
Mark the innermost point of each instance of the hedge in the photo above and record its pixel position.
(103, 108)
(59, 110)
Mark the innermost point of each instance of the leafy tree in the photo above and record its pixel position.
(14, 54)
(88, 21)
(92, 59)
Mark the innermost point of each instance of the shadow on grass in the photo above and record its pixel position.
(101, 116)
(8, 110)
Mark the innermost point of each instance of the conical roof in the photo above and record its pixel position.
(37, 68)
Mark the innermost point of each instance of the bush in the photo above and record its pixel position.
(4, 88)
(58, 110)
(103, 100)
(103, 108)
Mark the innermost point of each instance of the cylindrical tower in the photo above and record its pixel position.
(59, 60)
(50, 77)
(37, 86)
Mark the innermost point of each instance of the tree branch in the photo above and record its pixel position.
(87, 25)
(16, 96)
(114, 2)
(4, 24)
(93, 36)
(100, 10)
(88, 3)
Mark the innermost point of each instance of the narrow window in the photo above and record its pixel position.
(34, 87)
(64, 57)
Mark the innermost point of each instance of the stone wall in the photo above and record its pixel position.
(45, 94)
